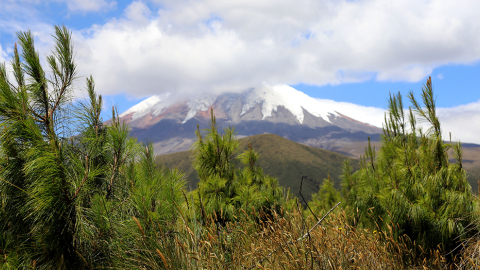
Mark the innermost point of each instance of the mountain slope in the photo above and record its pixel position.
(170, 122)
(279, 157)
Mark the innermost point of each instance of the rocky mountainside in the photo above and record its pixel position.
(170, 122)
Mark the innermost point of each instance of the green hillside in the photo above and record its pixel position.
(279, 157)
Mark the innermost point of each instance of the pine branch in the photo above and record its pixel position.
(84, 179)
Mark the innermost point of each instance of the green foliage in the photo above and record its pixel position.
(223, 187)
(73, 190)
(283, 159)
(409, 184)
(325, 198)
(76, 193)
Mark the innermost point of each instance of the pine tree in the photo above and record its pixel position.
(325, 198)
(409, 184)
(74, 191)
(34, 114)
(224, 188)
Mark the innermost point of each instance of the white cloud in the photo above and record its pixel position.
(138, 11)
(89, 5)
(213, 45)
(463, 122)
(187, 46)
(3, 55)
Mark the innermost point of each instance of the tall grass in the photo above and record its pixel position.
(271, 243)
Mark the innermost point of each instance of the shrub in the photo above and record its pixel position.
(225, 188)
(74, 191)
(409, 184)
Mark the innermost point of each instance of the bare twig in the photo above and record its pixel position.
(300, 192)
(294, 241)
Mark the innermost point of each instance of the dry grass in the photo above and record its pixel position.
(332, 245)
(470, 258)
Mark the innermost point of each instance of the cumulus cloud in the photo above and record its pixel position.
(193, 46)
(463, 122)
(214, 46)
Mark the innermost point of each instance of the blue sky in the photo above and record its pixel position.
(351, 51)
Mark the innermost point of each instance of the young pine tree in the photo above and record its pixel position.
(41, 184)
(75, 193)
(410, 184)
(224, 188)
(325, 198)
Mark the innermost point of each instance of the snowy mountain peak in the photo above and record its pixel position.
(200, 104)
(171, 122)
(153, 104)
(293, 100)
(264, 103)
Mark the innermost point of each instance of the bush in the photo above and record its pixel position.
(409, 185)
(325, 198)
(225, 188)
(74, 192)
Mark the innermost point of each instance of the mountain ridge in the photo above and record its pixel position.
(171, 123)
(299, 160)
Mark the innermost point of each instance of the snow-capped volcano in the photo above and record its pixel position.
(269, 99)
(283, 110)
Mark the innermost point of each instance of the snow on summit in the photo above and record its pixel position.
(202, 104)
(155, 103)
(269, 98)
(290, 98)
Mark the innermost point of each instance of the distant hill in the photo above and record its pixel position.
(471, 157)
(279, 157)
(289, 161)
(471, 163)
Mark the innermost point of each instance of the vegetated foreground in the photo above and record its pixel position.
(87, 196)
(286, 160)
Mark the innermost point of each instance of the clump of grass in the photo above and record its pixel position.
(272, 243)
(470, 257)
